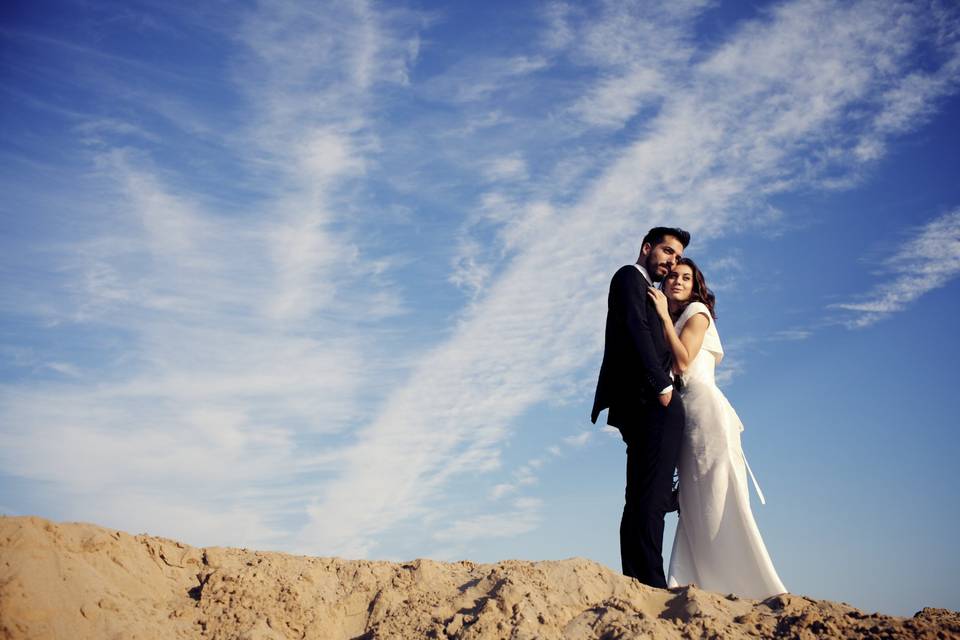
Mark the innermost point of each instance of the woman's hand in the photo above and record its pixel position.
(660, 301)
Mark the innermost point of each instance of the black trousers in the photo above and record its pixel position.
(653, 446)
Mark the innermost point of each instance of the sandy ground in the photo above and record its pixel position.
(77, 581)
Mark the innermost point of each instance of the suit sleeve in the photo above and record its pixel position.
(633, 296)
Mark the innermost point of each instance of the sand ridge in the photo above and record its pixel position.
(77, 581)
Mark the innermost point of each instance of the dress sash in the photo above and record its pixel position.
(756, 485)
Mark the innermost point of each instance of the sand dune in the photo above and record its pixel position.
(79, 581)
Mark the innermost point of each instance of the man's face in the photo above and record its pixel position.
(659, 259)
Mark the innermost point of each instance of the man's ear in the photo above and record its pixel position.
(646, 248)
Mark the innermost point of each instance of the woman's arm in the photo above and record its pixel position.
(687, 345)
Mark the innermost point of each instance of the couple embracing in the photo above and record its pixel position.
(657, 383)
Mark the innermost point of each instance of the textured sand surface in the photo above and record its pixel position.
(81, 581)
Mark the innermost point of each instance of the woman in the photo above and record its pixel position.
(717, 546)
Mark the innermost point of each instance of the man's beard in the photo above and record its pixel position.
(652, 271)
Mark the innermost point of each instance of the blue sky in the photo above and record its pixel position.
(331, 278)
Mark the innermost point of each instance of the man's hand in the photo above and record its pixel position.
(666, 397)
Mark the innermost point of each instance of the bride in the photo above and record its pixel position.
(717, 545)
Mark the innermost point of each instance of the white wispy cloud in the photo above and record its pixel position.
(235, 330)
(510, 167)
(616, 99)
(927, 260)
(248, 374)
(791, 85)
(792, 334)
(523, 517)
(578, 440)
(730, 369)
(475, 79)
(641, 51)
(501, 490)
(527, 474)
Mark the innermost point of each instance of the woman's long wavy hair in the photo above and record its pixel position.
(700, 292)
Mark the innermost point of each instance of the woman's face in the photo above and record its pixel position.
(679, 284)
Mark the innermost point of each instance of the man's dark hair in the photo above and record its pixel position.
(656, 235)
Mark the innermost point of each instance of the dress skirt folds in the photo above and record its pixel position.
(717, 545)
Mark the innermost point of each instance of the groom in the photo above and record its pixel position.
(636, 385)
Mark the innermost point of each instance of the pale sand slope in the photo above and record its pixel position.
(83, 581)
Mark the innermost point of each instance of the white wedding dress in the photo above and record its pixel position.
(717, 545)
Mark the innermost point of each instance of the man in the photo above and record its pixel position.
(636, 386)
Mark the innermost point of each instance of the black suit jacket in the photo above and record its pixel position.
(636, 357)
